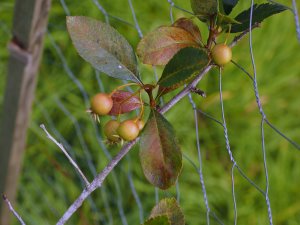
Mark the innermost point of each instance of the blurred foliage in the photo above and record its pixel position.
(48, 184)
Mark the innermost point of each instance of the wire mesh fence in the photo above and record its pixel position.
(238, 167)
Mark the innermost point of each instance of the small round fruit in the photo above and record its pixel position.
(140, 124)
(128, 130)
(101, 104)
(110, 130)
(221, 54)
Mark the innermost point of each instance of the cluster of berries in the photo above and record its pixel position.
(118, 102)
(115, 131)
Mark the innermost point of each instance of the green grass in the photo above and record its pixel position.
(48, 184)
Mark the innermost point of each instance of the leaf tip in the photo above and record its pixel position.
(69, 19)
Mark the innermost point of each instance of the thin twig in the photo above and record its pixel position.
(240, 36)
(13, 210)
(87, 183)
(98, 180)
(186, 90)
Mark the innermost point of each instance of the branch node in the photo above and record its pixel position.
(198, 92)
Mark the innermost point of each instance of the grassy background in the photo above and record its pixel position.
(48, 184)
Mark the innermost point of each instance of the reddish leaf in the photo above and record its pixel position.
(160, 45)
(124, 102)
(189, 26)
(104, 47)
(170, 208)
(160, 153)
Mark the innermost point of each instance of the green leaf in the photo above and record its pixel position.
(160, 153)
(187, 63)
(159, 220)
(170, 208)
(225, 20)
(189, 26)
(260, 12)
(103, 47)
(204, 9)
(228, 5)
(160, 45)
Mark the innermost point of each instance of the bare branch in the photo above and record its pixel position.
(12, 210)
(87, 183)
(98, 180)
(242, 35)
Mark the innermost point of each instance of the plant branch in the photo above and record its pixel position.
(96, 183)
(186, 90)
(13, 210)
(211, 36)
(87, 183)
(243, 34)
(98, 180)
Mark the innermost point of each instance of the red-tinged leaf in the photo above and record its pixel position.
(160, 45)
(160, 153)
(103, 47)
(189, 26)
(170, 208)
(124, 102)
(159, 220)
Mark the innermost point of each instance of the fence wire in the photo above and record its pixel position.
(112, 194)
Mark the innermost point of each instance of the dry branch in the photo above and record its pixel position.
(11, 208)
(74, 164)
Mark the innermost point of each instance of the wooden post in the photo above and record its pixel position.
(29, 26)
